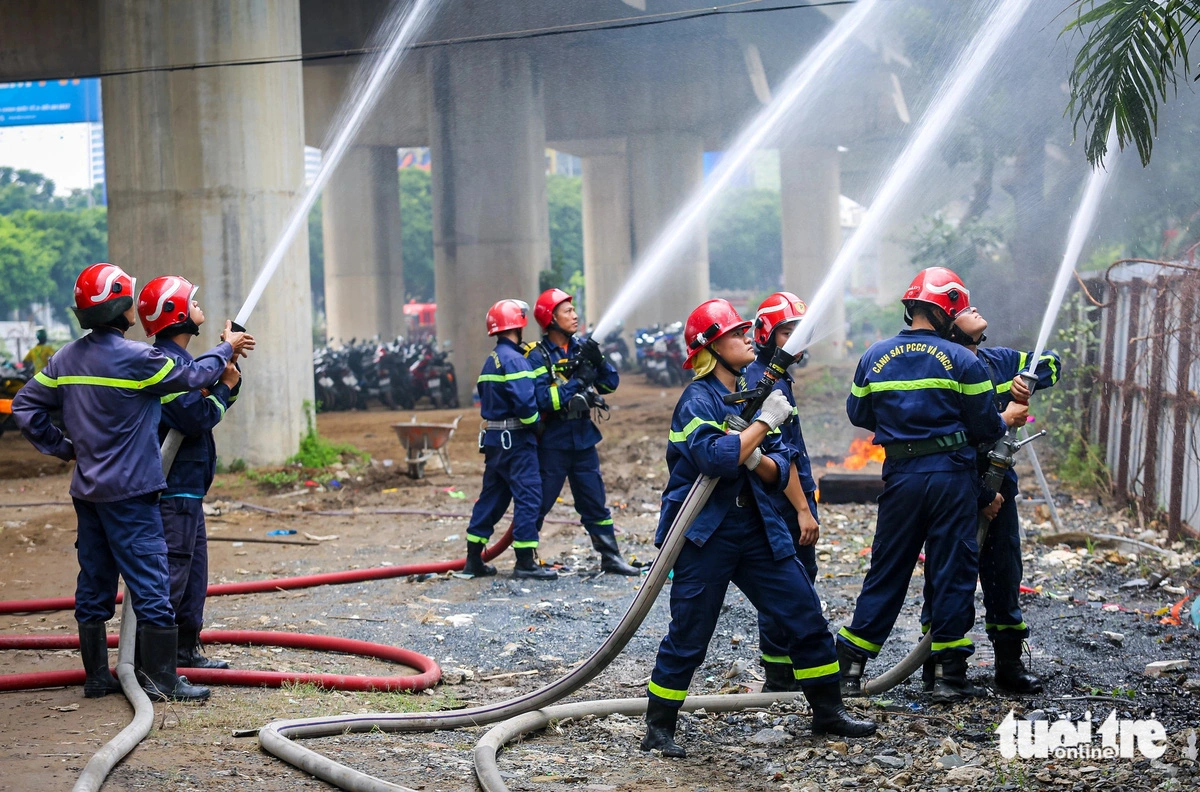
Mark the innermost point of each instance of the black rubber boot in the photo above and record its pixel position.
(780, 678)
(93, 646)
(851, 665)
(610, 556)
(660, 730)
(158, 675)
(527, 567)
(950, 683)
(1011, 674)
(475, 565)
(191, 651)
(927, 674)
(829, 714)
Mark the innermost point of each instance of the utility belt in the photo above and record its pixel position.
(920, 448)
(505, 428)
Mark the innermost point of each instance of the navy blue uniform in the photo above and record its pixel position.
(916, 388)
(567, 447)
(510, 471)
(1000, 562)
(740, 537)
(108, 389)
(772, 637)
(181, 505)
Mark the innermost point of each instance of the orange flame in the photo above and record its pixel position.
(862, 452)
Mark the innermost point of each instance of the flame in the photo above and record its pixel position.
(862, 452)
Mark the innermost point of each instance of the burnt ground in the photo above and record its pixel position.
(496, 638)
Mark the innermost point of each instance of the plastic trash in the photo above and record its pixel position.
(282, 532)
(335, 484)
(1196, 613)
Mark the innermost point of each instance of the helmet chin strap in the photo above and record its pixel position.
(734, 371)
(960, 336)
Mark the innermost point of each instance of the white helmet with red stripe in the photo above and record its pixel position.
(102, 293)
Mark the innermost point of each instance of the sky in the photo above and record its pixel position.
(59, 151)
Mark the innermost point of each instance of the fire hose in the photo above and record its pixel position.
(279, 738)
(1000, 461)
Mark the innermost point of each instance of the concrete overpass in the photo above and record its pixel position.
(203, 164)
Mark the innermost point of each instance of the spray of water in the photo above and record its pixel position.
(786, 105)
(937, 121)
(392, 39)
(1081, 227)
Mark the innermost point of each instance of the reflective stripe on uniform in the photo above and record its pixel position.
(829, 669)
(531, 419)
(217, 402)
(784, 659)
(861, 643)
(604, 522)
(555, 402)
(967, 389)
(939, 646)
(106, 382)
(516, 375)
(477, 539)
(693, 425)
(523, 545)
(170, 397)
(666, 693)
(1021, 626)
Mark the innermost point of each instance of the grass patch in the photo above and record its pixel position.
(1083, 467)
(318, 452)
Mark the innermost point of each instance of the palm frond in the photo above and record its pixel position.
(1133, 53)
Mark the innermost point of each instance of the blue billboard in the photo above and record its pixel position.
(49, 102)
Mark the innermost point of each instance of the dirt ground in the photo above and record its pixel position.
(496, 637)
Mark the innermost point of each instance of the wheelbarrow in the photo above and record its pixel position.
(425, 441)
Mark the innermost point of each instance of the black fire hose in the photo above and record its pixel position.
(279, 737)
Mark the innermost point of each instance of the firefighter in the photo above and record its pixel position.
(510, 417)
(739, 535)
(170, 314)
(108, 389)
(774, 323)
(1000, 560)
(571, 375)
(930, 403)
(38, 356)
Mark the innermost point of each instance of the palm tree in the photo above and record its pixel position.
(1133, 54)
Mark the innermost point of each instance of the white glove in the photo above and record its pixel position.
(755, 458)
(775, 410)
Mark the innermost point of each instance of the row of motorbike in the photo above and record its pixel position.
(399, 375)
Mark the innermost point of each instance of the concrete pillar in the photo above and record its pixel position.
(491, 227)
(812, 235)
(664, 169)
(364, 275)
(606, 230)
(203, 167)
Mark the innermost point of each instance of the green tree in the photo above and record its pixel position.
(416, 233)
(564, 196)
(744, 246)
(24, 189)
(316, 256)
(73, 240)
(937, 242)
(1133, 54)
(25, 263)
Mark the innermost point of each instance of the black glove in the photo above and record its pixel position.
(591, 352)
(586, 373)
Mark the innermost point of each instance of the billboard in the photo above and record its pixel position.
(49, 102)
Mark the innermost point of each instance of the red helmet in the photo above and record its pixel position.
(102, 293)
(940, 287)
(780, 308)
(507, 315)
(547, 303)
(710, 321)
(166, 302)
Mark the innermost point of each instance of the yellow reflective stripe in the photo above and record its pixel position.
(555, 402)
(112, 382)
(939, 646)
(1022, 359)
(516, 375)
(665, 693)
(930, 383)
(784, 659)
(604, 522)
(1053, 366)
(217, 402)
(46, 380)
(829, 669)
(523, 545)
(539, 371)
(477, 539)
(1004, 387)
(604, 388)
(1021, 626)
(861, 643)
(531, 419)
(693, 425)
(170, 397)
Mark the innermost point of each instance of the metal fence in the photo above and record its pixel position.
(1142, 410)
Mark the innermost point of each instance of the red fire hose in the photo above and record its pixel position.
(283, 584)
(430, 674)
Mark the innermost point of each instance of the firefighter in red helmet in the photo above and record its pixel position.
(572, 378)
(510, 416)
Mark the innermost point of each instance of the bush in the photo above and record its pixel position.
(317, 452)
